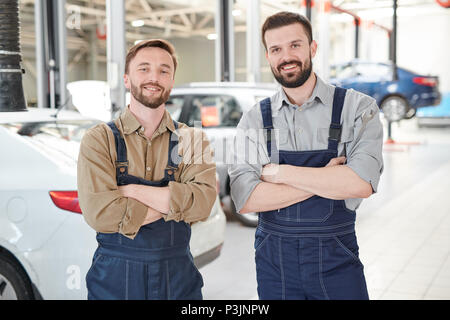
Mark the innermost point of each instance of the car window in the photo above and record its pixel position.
(215, 111)
(174, 105)
(372, 70)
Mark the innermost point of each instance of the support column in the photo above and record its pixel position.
(323, 54)
(41, 75)
(253, 38)
(225, 41)
(62, 52)
(116, 53)
(394, 40)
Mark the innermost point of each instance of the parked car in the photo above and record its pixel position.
(218, 107)
(398, 99)
(46, 247)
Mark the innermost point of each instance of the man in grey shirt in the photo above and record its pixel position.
(311, 153)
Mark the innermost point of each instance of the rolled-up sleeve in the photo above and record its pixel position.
(103, 206)
(364, 154)
(249, 156)
(193, 195)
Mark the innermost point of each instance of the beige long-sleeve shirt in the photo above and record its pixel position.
(105, 209)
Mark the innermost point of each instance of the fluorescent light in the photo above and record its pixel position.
(137, 23)
(137, 41)
(212, 36)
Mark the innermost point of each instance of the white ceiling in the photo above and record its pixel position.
(171, 19)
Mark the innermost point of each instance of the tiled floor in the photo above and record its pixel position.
(404, 231)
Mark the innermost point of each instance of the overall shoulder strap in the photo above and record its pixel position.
(334, 135)
(121, 149)
(173, 159)
(266, 112)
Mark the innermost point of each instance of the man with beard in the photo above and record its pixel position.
(138, 195)
(318, 155)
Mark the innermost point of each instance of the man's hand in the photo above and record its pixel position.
(126, 190)
(271, 173)
(152, 216)
(336, 161)
(274, 173)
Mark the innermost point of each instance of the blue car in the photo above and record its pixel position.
(398, 99)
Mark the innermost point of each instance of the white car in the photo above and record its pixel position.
(217, 107)
(46, 247)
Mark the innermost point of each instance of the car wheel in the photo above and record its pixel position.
(14, 283)
(248, 219)
(394, 108)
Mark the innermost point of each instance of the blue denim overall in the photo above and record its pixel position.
(157, 263)
(308, 250)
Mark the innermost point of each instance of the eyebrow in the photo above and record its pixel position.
(147, 64)
(294, 41)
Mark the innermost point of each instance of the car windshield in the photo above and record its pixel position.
(68, 130)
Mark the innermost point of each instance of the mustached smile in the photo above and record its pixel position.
(289, 66)
(152, 88)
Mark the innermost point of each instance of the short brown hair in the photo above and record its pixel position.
(286, 18)
(158, 43)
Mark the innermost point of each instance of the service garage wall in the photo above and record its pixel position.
(423, 44)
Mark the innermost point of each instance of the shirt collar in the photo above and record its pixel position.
(321, 92)
(130, 124)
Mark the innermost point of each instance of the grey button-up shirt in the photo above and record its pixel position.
(304, 128)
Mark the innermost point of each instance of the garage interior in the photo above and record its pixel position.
(404, 229)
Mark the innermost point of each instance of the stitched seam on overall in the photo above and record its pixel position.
(308, 234)
(306, 152)
(347, 209)
(283, 293)
(320, 271)
(262, 242)
(146, 286)
(95, 261)
(126, 280)
(171, 234)
(167, 280)
(349, 252)
(309, 228)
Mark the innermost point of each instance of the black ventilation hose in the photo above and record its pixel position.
(12, 97)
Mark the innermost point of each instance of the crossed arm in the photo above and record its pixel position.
(157, 199)
(287, 184)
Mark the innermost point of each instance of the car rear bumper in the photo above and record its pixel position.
(426, 100)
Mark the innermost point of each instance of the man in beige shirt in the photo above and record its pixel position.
(142, 179)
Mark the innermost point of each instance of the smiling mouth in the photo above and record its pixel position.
(152, 89)
(289, 67)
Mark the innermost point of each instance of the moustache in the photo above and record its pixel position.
(289, 62)
(152, 84)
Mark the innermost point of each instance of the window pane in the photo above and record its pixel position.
(174, 106)
(215, 111)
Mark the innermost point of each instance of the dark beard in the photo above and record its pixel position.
(149, 103)
(297, 81)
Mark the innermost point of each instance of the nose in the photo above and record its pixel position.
(152, 76)
(287, 56)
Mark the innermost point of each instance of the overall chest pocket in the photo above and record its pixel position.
(314, 209)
